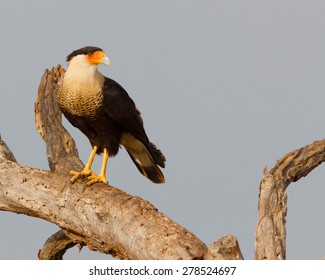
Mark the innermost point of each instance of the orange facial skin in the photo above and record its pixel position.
(96, 57)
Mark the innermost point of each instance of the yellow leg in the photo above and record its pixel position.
(86, 172)
(102, 174)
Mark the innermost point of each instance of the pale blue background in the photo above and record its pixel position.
(225, 88)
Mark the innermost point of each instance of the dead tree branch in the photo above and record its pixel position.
(113, 222)
(55, 247)
(270, 236)
(61, 149)
(104, 218)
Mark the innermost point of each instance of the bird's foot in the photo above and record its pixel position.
(84, 174)
(92, 179)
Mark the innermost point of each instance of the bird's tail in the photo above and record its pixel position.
(146, 159)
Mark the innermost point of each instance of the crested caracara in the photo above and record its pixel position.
(105, 113)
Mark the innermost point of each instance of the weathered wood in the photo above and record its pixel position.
(270, 236)
(61, 149)
(5, 153)
(113, 222)
(226, 248)
(270, 233)
(102, 217)
(55, 247)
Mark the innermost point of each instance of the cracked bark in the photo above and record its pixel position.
(101, 217)
(270, 235)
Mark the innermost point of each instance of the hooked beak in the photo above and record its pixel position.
(106, 61)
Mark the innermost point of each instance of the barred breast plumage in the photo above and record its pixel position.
(79, 101)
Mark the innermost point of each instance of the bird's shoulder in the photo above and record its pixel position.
(111, 88)
(120, 107)
(116, 97)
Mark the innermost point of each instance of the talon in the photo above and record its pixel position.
(87, 174)
(96, 179)
(83, 174)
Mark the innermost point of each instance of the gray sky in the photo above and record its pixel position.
(225, 88)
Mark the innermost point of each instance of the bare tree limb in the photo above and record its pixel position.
(270, 236)
(80, 210)
(55, 247)
(113, 222)
(104, 218)
(61, 149)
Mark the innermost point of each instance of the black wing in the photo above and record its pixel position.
(121, 108)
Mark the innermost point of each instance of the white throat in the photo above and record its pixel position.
(81, 72)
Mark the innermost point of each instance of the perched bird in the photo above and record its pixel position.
(105, 113)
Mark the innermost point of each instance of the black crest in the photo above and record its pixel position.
(85, 50)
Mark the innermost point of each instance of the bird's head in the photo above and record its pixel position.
(91, 55)
(82, 68)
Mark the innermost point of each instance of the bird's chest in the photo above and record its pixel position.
(81, 101)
